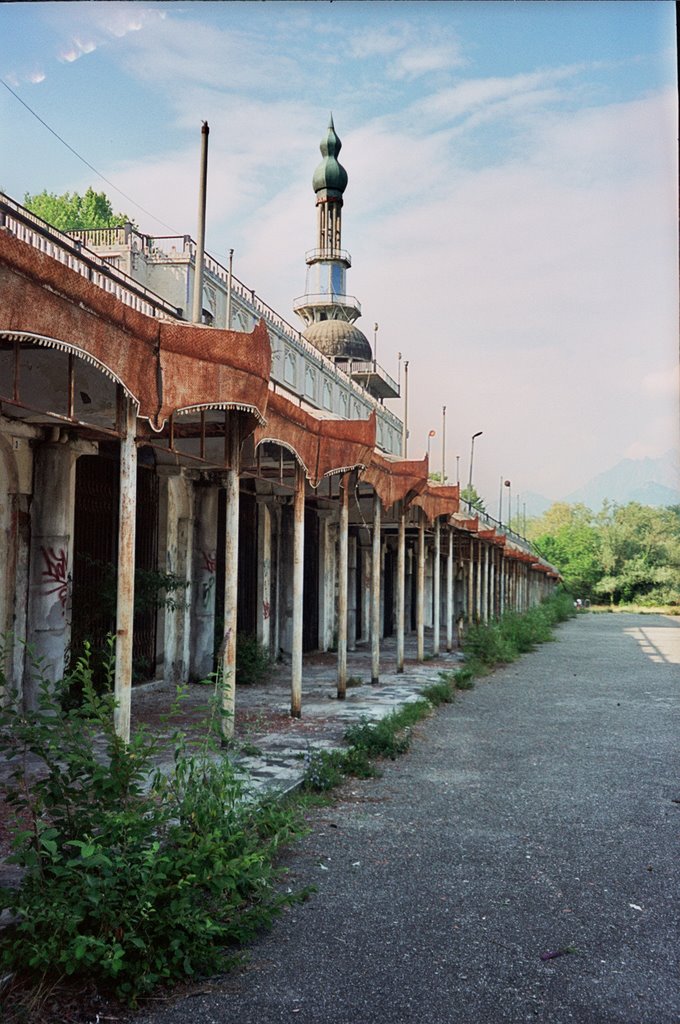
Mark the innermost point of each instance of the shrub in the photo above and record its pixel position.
(253, 660)
(131, 877)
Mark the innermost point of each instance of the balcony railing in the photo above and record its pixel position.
(42, 236)
(312, 255)
(327, 299)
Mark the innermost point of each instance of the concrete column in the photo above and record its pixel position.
(437, 586)
(298, 580)
(203, 591)
(343, 576)
(366, 578)
(486, 584)
(352, 594)
(264, 575)
(125, 602)
(401, 584)
(470, 596)
(16, 481)
(449, 592)
(376, 565)
(48, 632)
(478, 588)
(326, 596)
(227, 660)
(420, 595)
(176, 555)
(276, 639)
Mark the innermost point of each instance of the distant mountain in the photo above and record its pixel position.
(536, 504)
(649, 481)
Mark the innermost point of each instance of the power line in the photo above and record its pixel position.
(87, 163)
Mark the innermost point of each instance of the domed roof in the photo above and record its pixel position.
(330, 174)
(338, 339)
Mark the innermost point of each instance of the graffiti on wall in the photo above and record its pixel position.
(209, 566)
(56, 579)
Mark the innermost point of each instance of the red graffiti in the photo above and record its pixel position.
(209, 561)
(265, 610)
(56, 573)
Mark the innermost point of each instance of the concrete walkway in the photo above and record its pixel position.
(538, 814)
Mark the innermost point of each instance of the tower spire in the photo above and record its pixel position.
(326, 310)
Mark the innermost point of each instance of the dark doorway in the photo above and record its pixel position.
(388, 589)
(95, 550)
(310, 592)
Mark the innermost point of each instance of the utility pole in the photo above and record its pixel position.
(197, 310)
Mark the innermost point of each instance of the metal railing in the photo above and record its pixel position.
(72, 253)
(169, 247)
(312, 255)
(371, 366)
(327, 299)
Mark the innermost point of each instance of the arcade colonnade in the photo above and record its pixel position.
(138, 451)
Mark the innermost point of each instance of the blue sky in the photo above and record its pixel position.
(511, 204)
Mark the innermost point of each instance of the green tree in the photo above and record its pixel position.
(470, 495)
(566, 535)
(640, 553)
(73, 212)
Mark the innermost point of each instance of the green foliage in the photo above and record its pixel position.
(73, 212)
(131, 877)
(253, 660)
(470, 495)
(443, 692)
(625, 553)
(460, 679)
(502, 641)
(368, 741)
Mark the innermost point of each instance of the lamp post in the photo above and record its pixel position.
(509, 487)
(375, 346)
(443, 444)
(429, 439)
(458, 470)
(472, 455)
(404, 429)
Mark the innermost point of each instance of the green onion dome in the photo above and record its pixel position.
(330, 175)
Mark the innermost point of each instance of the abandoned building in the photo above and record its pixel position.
(250, 473)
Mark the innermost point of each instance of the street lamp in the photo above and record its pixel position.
(509, 487)
(443, 444)
(375, 346)
(429, 439)
(404, 426)
(472, 455)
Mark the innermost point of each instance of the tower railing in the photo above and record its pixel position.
(328, 253)
(327, 299)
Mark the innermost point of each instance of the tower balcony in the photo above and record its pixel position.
(373, 377)
(328, 253)
(347, 306)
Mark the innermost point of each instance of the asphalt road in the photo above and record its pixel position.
(540, 813)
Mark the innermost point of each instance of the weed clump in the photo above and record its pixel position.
(131, 877)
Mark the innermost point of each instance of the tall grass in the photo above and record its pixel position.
(515, 633)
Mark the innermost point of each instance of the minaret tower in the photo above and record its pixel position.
(326, 310)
